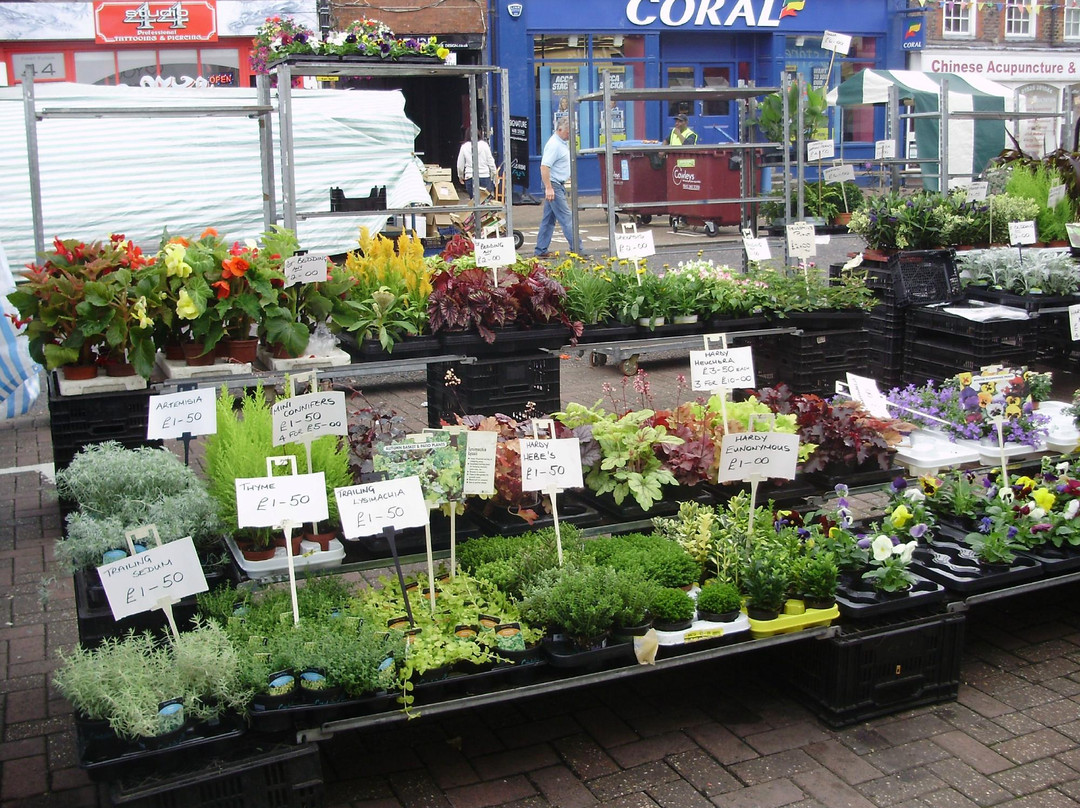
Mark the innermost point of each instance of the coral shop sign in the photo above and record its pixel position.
(183, 21)
(713, 13)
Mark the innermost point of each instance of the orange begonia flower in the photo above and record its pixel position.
(222, 289)
(210, 231)
(234, 267)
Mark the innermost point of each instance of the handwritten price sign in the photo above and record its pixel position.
(366, 509)
(137, 583)
(820, 150)
(175, 414)
(634, 245)
(726, 367)
(758, 454)
(1022, 233)
(305, 269)
(800, 239)
(495, 252)
(844, 173)
(269, 501)
(838, 43)
(884, 149)
(307, 417)
(550, 463)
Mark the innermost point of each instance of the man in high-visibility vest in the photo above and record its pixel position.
(682, 134)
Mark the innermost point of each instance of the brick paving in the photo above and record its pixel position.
(725, 733)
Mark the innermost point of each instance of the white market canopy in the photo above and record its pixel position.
(972, 144)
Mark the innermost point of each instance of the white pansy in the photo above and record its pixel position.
(914, 494)
(1072, 508)
(882, 547)
(1036, 512)
(905, 551)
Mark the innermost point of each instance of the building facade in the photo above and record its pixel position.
(1030, 47)
(554, 46)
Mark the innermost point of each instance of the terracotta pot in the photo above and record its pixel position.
(114, 368)
(322, 539)
(174, 351)
(842, 219)
(240, 350)
(76, 373)
(279, 351)
(252, 553)
(279, 541)
(194, 356)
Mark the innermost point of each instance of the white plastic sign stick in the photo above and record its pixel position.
(142, 535)
(304, 418)
(550, 463)
(723, 367)
(495, 252)
(173, 415)
(757, 249)
(744, 455)
(820, 150)
(800, 239)
(976, 191)
(1022, 233)
(480, 463)
(1073, 229)
(366, 509)
(844, 173)
(884, 149)
(837, 43)
(136, 583)
(270, 501)
(1057, 193)
(1074, 322)
(634, 245)
(866, 392)
(305, 269)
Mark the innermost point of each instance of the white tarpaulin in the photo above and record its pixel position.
(138, 176)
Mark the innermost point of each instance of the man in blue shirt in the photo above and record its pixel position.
(555, 171)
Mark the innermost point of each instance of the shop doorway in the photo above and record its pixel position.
(714, 121)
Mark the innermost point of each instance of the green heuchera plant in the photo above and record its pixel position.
(629, 465)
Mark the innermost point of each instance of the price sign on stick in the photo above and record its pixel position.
(138, 583)
(844, 173)
(758, 454)
(304, 418)
(1057, 193)
(173, 415)
(366, 509)
(820, 150)
(480, 463)
(1073, 230)
(305, 269)
(757, 249)
(726, 367)
(976, 191)
(1022, 233)
(269, 501)
(837, 43)
(884, 149)
(495, 252)
(550, 463)
(800, 239)
(1074, 322)
(631, 245)
(865, 391)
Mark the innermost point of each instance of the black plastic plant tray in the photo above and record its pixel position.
(859, 600)
(412, 540)
(956, 567)
(1026, 302)
(1055, 560)
(561, 654)
(499, 521)
(371, 350)
(629, 510)
(616, 332)
(292, 717)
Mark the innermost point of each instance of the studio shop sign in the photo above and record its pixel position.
(714, 13)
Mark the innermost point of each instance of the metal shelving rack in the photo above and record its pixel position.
(477, 77)
(741, 95)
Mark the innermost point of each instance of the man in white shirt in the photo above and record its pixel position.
(555, 171)
(488, 168)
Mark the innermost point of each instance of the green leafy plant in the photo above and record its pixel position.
(769, 115)
(671, 606)
(765, 582)
(581, 600)
(718, 597)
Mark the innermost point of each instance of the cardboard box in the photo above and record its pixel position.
(433, 173)
(444, 193)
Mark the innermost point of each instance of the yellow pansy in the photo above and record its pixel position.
(1044, 498)
(174, 261)
(900, 516)
(442, 53)
(185, 306)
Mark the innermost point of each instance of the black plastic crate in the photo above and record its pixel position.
(78, 421)
(925, 276)
(376, 200)
(488, 386)
(918, 370)
(1030, 303)
(864, 674)
(819, 348)
(934, 319)
(283, 777)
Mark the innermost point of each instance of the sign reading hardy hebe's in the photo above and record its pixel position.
(176, 21)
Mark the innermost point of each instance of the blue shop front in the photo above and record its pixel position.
(556, 49)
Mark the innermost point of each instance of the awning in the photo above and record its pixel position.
(972, 144)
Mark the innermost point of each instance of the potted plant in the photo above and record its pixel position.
(579, 600)
(817, 576)
(776, 128)
(719, 602)
(765, 582)
(672, 609)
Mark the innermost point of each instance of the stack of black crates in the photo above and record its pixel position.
(517, 384)
(814, 359)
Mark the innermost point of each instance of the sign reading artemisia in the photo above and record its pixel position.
(117, 21)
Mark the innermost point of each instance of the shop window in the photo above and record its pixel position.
(1018, 22)
(716, 77)
(95, 67)
(1072, 22)
(220, 66)
(679, 77)
(179, 68)
(135, 66)
(958, 20)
